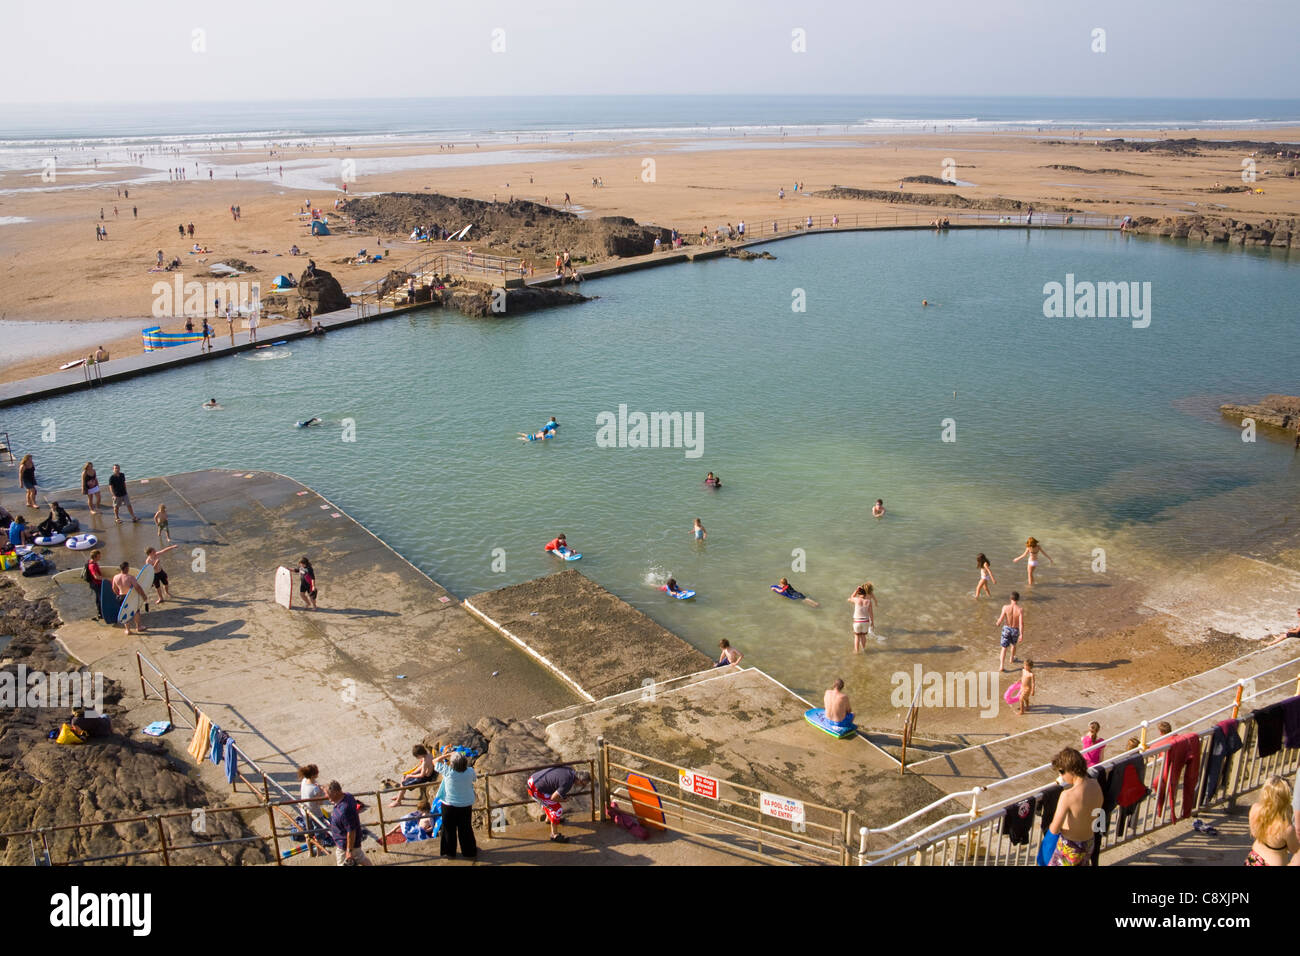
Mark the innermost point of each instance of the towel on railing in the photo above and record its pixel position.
(216, 744)
(1017, 821)
(202, 734)
(1268, 729)
(232, 768)
(1291, 721)
(1224, 742)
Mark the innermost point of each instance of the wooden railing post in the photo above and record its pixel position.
(379, 807)
(162, 840)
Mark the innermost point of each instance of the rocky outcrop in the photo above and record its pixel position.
(478, 300)
(996, 204)
(1104, 171)
(928, 181)
(1279, 233)
(518, 227)
(1281, 412)
(744, 255)
(44, 784)
(1193, 147)
(322, 292)
(504, 745)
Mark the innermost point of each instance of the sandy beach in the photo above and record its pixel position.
(55, 271)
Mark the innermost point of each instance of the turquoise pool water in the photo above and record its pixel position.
(1084, 432)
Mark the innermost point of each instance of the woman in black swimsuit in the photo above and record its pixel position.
(27, 476)
(90, 487)
(307, 586)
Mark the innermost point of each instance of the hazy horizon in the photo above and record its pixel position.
(250, 52)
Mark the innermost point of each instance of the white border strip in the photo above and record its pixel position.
(542, 660)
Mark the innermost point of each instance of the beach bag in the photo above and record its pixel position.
(85, 574)
(8, 560)
(68, 736)
(35, 567)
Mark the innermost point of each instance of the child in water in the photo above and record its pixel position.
(672, 588)
(712, 482)
(1032, 550)
(698, 531)
(1027, 686)
(878, 509)
(986, 576)
(729, 654)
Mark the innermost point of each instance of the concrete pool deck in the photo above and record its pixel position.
(391, 657)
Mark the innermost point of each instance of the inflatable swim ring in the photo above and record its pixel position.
(55, 538)
(1012, 696)
(82, 542)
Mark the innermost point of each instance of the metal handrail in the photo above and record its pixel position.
(974, 792)
(998, 807)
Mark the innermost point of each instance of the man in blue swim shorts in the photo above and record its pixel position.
(1012, 620)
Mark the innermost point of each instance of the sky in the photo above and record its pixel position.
(84, 51)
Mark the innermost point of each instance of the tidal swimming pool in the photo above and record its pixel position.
(977, 419)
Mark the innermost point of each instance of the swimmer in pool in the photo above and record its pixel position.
(1032, 551)
(878, 509)
(698, 531)
(551, 425)
(712, 482)
(309, 422)
(672, 587)
(559, 544)
(211, 403)
(539, 436)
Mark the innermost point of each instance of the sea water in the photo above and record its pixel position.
(978, 420)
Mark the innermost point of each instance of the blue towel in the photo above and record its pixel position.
(158, 728)
(1047, 847)
(218, 741)
(232, 767)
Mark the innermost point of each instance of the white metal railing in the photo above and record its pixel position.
(975, 839)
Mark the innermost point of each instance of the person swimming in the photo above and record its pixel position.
(309, 422)
(878, 509)
(211, 403)
(538, 436)
(698, 531)
(551, 425)
(672, 587)
(712, 482)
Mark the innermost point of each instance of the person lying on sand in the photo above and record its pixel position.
(1294, 632)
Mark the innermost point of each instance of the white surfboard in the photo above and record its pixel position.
(283, 586)
(132, 603)
(462, 234)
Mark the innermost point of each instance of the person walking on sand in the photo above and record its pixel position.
(27, 478)
(117, 484)
(986, 576)
(729, 654)
(698, 531)
(1032, 550)
(90, 487)
(161, 583)
(862, 621)
(836, 702)
(307, 584)
(1028, 684)
(160, 519)
(124, 583)
(1012, 620)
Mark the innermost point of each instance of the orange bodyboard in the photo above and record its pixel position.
(646, 804)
